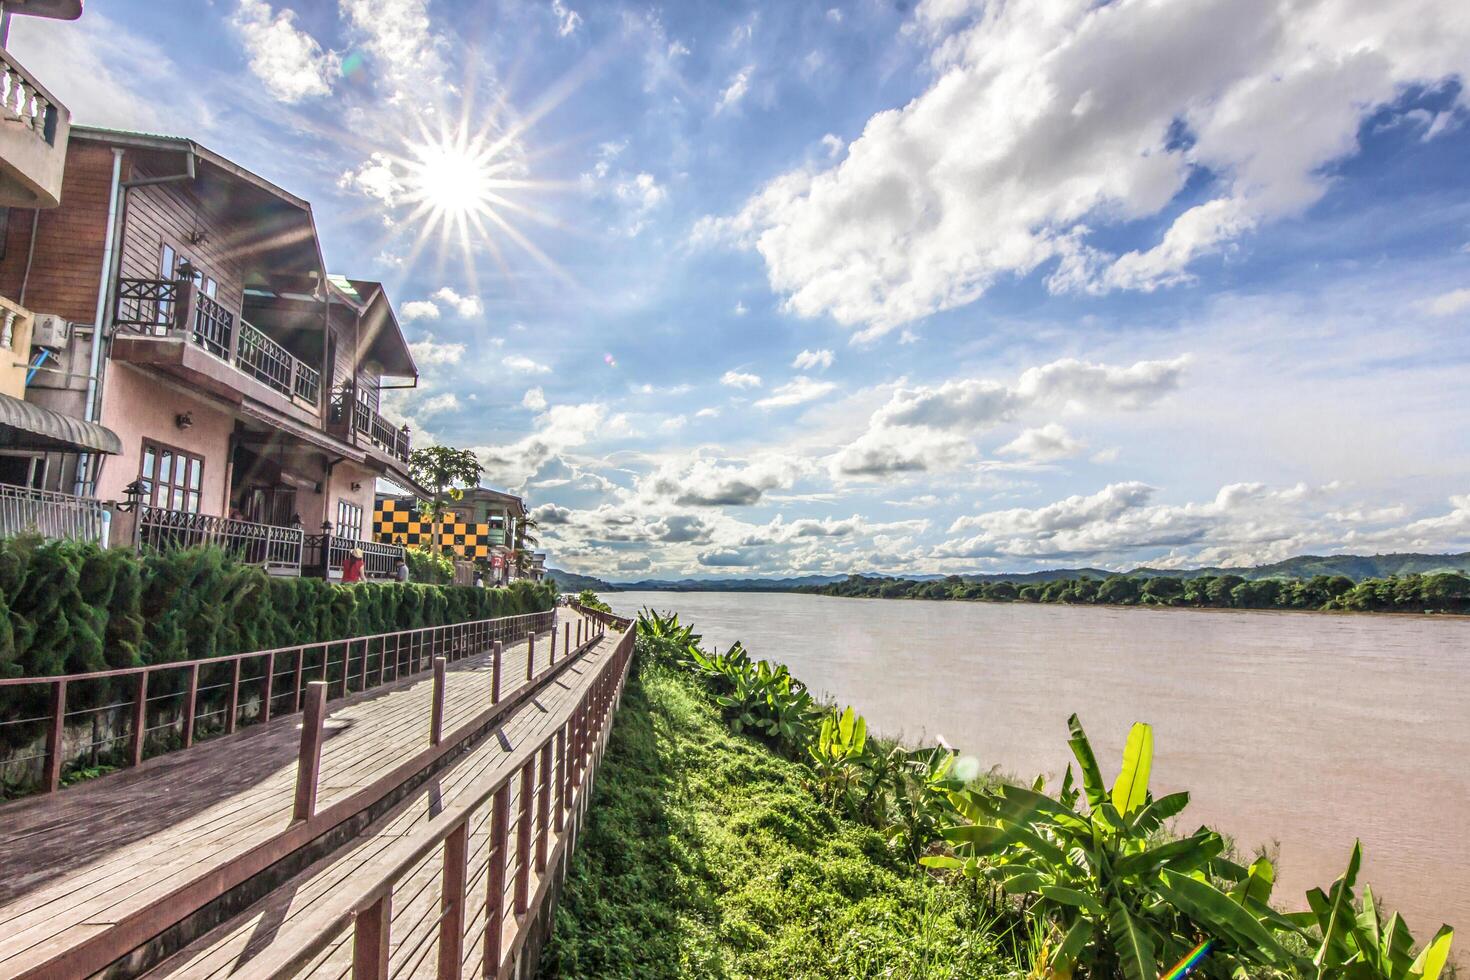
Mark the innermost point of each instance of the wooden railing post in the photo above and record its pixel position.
(270, 680)
(436, 712)
(233, 707)
(566, 631)
(495, 658)
(55, 732)
(560, 822)
(523, 839)
(495, 879)
(296, 697)
(530, 655)
(579, 634)
(140, 718)
(309, 761)
(370, 940)
(543, 806)
(553, 648)
(190, 697)
(451, 902)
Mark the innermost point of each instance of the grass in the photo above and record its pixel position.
(705, 855)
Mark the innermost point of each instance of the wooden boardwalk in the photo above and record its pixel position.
(91, 861)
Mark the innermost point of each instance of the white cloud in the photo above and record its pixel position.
(465, 306)
(735, 90)
(1043, 445)
(567, 19)
(673, 423)
(707, 413)
(431, 353)
(559, 429)
(697, 481)
(535, 399)
(740, 308)
(377, 178)
(797, 391)
(740, 379)
(809, 359)
(524, 365)
(882, 452)
(418, 309)
(407, 56)
(444, 402)
(289, 62)
(1448, 304)
(1048, 118)
(834, 145)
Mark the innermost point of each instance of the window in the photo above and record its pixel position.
(171, 478)
(349, 520)
(168, 261)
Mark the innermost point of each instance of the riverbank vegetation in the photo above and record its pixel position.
(1443, 592)
(1080, 880)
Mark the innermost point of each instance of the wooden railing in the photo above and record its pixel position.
(551, 779)
(51, 515)
(278, 549)
(189, 698)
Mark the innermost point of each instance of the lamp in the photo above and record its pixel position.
(184, 420)
(356, 487)
(133, 494)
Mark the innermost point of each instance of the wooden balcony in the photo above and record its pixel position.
(34, 128)
(152, 310)
(391, 440)
(277, 549)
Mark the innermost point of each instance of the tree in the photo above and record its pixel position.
(525, 540)
(441, 469)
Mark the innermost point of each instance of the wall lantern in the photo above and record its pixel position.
(356, 487)
(184, 420)
(133, 494)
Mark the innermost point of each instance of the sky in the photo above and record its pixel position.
(788, 288)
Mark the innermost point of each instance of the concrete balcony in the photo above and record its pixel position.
(33, 134)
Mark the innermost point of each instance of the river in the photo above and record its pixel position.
(1294, 731)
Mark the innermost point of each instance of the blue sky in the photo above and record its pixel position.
(785, 288)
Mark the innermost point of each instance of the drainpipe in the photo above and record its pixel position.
(86, 471)
(111, 254)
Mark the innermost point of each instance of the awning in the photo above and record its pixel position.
(302, 431)
(24, 425)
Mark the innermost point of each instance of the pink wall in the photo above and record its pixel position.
(136, 406)
(340, 487)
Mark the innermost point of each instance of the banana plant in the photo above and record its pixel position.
(836, 757)
(1356, 944)
(1117, 896)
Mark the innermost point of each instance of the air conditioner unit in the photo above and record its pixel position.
(50, 330)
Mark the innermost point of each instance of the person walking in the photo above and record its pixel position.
(352, 566)
(400, 570)
(479, 579)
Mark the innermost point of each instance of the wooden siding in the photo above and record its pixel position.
(162, 214)
(67, 267)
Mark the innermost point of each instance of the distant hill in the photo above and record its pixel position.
(572, 582)
(1355, 567)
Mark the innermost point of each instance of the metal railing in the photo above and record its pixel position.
(213, 325)
(146, 305)
(379, 560)
(167, 706)
(23, 100)
(267, 361)
(380, 432)
(49, 514)
(278, 549)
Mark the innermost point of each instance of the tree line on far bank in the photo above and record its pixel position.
(1447, 592)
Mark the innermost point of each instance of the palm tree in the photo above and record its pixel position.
(525, 541)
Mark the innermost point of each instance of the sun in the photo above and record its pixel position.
(455, 178)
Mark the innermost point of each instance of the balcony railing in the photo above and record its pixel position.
(161, 307)
(24, 102)
(51, 515)
(380, 432)
(277, 549)
(267, 361)
(379, 560)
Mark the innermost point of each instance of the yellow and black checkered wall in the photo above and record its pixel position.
(397, 521)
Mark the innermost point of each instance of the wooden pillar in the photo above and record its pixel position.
(553, 648)
(309, 761)
(270, 680)
(140, 718)
(543, 806)
(436, 712)
(523, 838)
(190, 697)
(496, 656)
(560, 822)
(55, 732)
(566, 631)
(451, 902)
(495, 879)
(370, 940)
(530, 655)
(233, 707)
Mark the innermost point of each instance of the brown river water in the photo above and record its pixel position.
(1294, 731)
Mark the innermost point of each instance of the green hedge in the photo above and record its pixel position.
(68, 607)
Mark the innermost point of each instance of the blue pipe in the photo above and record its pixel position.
(36, 365)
